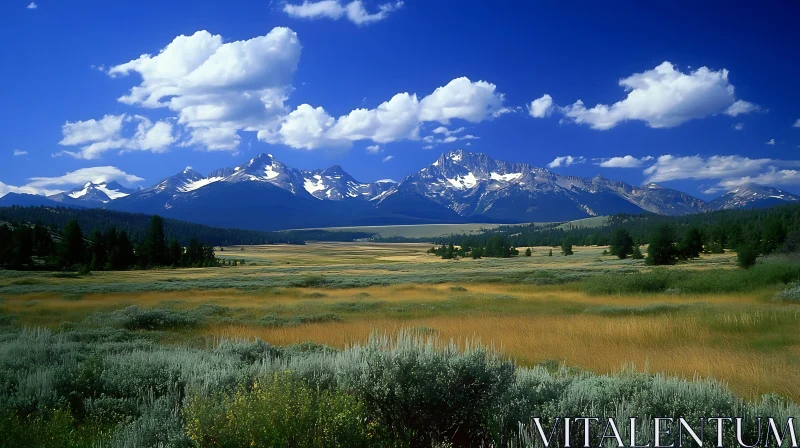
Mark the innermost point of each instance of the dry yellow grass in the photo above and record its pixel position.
(681, 347)
(737, 338)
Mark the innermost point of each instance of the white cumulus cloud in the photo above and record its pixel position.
(217, 88)
(566, 161)
(374, 149)
(52, 185)
(463, 99)
(94, 137)
(770, 142)
(728, 171)
(773, 177)
(399, 118)
(84, 175)
(32, 5)
(623, 162)
(541, 107)
(354, 11)
(741, 107)
(796, 124)
(664, 97)
(5, 189)
(19, 152)
(738, 126)
(442, 135)
(387, 158)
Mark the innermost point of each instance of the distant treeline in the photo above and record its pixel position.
(765, 229)
(496, 246)
(327, 235)
(136, 226)
(25, 246)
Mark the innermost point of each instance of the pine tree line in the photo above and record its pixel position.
(35, 246)
(763, 231)
(496, 246)
(137, 225)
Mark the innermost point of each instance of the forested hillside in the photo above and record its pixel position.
(136, 226)
(767, 228)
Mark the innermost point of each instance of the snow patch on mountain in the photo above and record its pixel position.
(504, 177)
(194, 185)
(463, 182)
(80, 193)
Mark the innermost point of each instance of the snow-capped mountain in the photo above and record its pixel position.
(261, 193)
(752, 196)
(473, 184)
(329, 184)
(92, 194)
(459, 186)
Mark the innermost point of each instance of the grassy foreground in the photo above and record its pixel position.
(146, 357)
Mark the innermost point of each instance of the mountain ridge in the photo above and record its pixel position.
(459, 186)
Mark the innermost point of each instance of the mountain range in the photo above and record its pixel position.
(460, 186)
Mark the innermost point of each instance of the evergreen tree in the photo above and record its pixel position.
(716, 247)
(72, 249)
(621, 244)
(43, 245)
(746, 256)
(22, 242)
(125, 257)
(637, 253)
(661, 250)
(566, 247)
(792, 243)
(528, 252)
(98, 250)
(692, 244)
(550, 254)
(194, 254)
(155, 246)
(773, 235)
(6, 247)
(175, 253)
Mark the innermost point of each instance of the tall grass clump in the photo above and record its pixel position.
(763, 274)
(277, 411)
(647, 310)
(135, 318)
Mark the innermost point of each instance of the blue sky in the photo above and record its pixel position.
(701, 97)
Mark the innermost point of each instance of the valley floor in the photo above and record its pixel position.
(538, 309)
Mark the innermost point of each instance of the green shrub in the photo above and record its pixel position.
(315, 295)
(50, 429)
(309, 281)
(354, 307)
(277, 411)
(426, 396)
(274, 320)
(746, 257)
(654, 281)
(652, 309)
(790, 295)
(27, 282)
(135, 318)
(770, 272)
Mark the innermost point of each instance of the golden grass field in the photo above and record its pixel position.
(743, 339)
